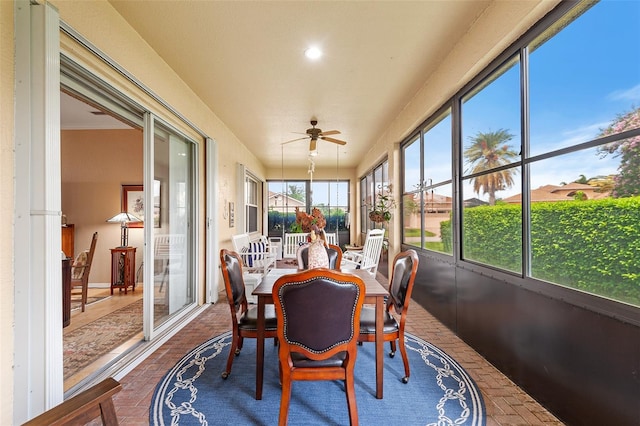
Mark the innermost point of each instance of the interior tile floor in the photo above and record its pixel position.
(506, 403)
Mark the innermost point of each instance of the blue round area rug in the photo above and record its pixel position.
(439, 392)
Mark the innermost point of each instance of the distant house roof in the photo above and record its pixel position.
(474, 202)
(276, 199)
(559, 193)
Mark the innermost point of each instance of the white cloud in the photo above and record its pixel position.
(632, 94)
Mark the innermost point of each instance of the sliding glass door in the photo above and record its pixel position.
(173, 222)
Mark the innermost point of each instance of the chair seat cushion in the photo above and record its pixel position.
(302, 361)
(249, 321)
(368, 321)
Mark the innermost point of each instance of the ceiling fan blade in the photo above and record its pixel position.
(330, 132)
(293, 140)
(313, 145)
(338, 141)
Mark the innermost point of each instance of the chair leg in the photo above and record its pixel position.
(84, 297)
(405, 359)
(392, 344)
(285, 399)
(351, 399)
(232, 354)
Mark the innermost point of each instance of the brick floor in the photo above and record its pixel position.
(506, 403)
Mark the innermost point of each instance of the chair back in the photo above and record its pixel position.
(372, 249)
(231, 265)
(82, 264)
(405, 267)
(318, 313)
(335, 256)
(334, 252)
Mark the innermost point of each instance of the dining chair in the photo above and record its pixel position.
(334, 252)
(369, 256)
(318, 313)
(80, 270)
(405, 267)
(244, 319)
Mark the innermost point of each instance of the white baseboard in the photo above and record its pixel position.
(99, 285)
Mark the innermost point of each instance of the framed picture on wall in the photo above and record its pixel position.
(133, 202)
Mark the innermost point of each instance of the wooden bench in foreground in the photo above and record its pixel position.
(84, 407)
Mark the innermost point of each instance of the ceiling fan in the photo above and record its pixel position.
(313, 134)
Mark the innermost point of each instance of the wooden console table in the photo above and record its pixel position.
(123, 272)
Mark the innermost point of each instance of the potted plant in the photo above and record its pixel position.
(381, 210)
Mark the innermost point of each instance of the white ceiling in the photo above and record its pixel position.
(77, 115)
(245, 60)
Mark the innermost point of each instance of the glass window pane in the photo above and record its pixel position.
(438, 205)
(492, 223)
(581, 236)
(437, 152)
(296, 197)
(331, 197)
(321, 194)
(364, 204)
(491, 132)
(411, 157)
(411, 219)
(251, 212)
(277, 208)
(338, 206)
(173, 258)
(584, 76)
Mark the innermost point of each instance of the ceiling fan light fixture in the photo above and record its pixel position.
(313, 53)
(313, 153)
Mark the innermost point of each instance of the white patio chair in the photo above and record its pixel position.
(369, 256)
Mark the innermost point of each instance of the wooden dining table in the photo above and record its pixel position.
(375, 294)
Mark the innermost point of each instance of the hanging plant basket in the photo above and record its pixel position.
(379, 217)
(381, 210)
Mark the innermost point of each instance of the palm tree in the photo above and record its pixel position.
(489, 151)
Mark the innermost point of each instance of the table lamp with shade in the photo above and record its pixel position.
(124, 218)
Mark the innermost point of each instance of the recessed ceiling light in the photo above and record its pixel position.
(313, 53)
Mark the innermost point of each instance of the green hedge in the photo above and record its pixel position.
(275, 221)
(588, 245)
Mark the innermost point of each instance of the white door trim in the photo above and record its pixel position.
(38, 378)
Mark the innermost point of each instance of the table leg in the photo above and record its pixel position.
(379, 346)
(260, 348)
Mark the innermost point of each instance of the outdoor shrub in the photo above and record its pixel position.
(592, 245)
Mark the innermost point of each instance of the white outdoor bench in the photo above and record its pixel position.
(293, 241)
(258, 254)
